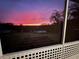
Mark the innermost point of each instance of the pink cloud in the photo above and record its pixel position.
(26, 18)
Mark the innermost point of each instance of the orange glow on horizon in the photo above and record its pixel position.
(35, 24)
(30, 24)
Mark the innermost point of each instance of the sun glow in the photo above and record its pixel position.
(31, 24)
(39, 24)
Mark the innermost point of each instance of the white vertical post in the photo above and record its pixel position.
(65, 23)
(0, 49)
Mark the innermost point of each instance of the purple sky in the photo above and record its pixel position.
(28, 11)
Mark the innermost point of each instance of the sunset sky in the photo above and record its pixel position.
(28, 11)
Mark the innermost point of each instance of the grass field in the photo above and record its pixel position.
(34, 38)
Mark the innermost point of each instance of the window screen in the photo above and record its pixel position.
(28, 24)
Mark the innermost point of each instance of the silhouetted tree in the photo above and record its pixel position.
(57, 16)
(73, 21)
(73, 10)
